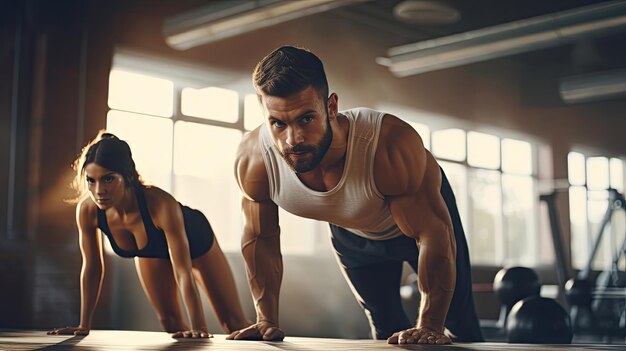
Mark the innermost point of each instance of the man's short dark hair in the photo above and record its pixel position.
(289, 70)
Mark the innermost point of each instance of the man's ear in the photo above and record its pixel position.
(332, 106)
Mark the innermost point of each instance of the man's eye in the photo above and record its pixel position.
(307, 119)
(278, 124)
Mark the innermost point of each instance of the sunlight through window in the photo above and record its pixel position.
(204, 156)
(252, 112)
(483, 150)
(298, 234)
(617, 174)
(519, 218)
(576, 168)
(517, 157)
(140, 93)
(486, 213)
(149, 139)
(580, 242)
(449, 144)
(597, 173)
(211, 103)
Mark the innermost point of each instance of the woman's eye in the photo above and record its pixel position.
(90, 181)
(108, 179)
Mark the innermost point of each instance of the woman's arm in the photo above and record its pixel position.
(92, 272)
(169, 217)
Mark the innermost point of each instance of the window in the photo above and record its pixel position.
(590, 179)
(184, 138)
(494, 183)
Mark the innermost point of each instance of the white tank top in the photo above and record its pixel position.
(354, 203)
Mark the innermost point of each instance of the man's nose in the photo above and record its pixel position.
(294, 136)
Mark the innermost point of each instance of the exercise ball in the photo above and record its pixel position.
(516, 283)
(578, 292)
(539, 320)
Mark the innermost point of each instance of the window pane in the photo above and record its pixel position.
(517, 157)
(457, 176)
(297, 234)
(211, 103)
(252, 112)
(483, 150)
(519, 219)
(618, 235)
(423, 131)
(486, 214)
(449, 144)
(597, 204)
(578, 225)
(152, 150)
(203, 166)
(597, 173)
(617, 174)
(576, 168)
(141, 93)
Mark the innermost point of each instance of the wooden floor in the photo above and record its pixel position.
(104, 340)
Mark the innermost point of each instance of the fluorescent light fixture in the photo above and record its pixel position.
(506, 39)
(223, 19)
(593, 87)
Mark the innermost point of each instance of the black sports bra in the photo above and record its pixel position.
(199, 232)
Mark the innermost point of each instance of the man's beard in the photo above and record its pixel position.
(303, 165)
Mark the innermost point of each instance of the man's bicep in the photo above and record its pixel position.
(418, 215)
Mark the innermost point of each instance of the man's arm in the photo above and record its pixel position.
(261, 251)
(260, 243)
(420, 212)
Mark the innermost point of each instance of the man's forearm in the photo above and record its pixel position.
(436, 279)
(265, 272)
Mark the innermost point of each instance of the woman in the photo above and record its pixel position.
(173, 245)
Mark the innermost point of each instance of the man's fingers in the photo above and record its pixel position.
(248, 334)
(393, 339)
(273, 334)
(444, 340)
(232, 335)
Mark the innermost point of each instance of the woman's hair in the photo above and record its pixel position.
(110, 152)
(289, 70)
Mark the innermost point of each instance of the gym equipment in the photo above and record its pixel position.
(513, 284)
(600, 309)
(539, 320)
(579, 296)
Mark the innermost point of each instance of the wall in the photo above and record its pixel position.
(55, 61)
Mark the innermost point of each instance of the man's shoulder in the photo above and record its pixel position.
(250, 167)
(400, 151)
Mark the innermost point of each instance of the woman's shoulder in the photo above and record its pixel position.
(87, 212)
(159, 202)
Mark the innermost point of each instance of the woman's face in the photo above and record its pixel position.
(106, 187)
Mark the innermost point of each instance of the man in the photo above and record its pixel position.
(366, 173)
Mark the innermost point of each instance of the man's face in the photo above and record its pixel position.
(300, 128)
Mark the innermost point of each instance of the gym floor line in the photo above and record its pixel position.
(104, 340)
